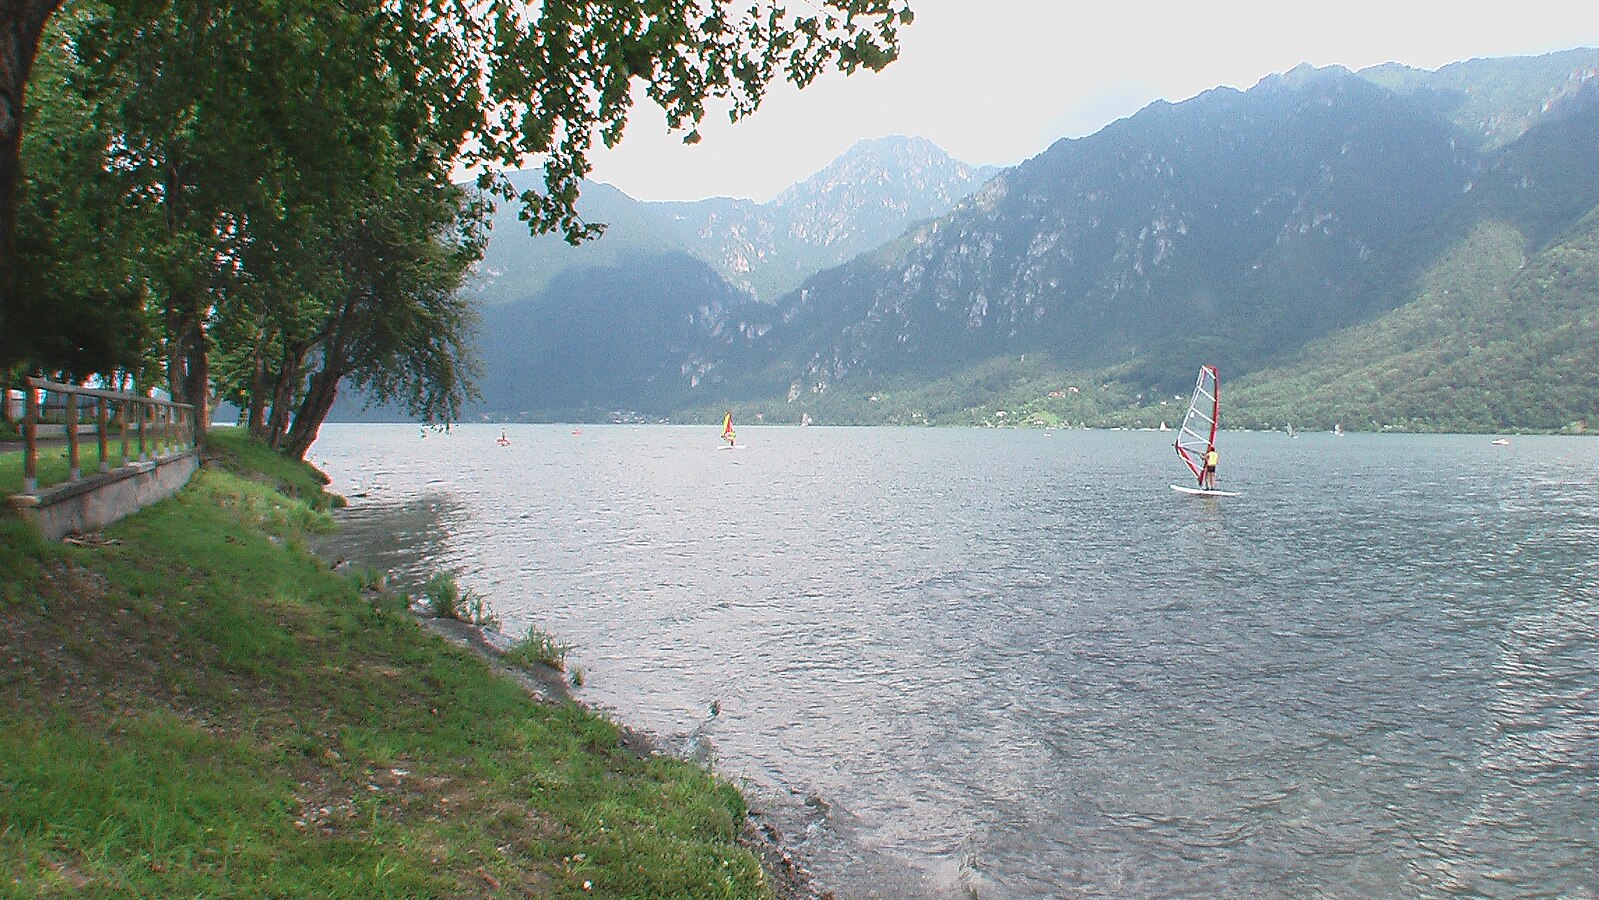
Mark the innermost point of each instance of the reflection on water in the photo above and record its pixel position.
(1015, 663)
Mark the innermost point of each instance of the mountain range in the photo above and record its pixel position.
(1391, 247)
(864, 197)
(629, 321)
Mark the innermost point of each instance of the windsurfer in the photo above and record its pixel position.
(1208, 482)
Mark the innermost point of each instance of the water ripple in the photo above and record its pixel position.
(1012, 663)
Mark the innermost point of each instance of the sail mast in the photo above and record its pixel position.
(1197, 437)
(1215, 407)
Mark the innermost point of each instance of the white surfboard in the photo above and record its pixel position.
(1201, 492)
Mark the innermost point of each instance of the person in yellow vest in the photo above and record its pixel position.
(1208, 482)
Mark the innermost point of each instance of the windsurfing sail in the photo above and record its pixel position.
(1197, 437)
(727, 428)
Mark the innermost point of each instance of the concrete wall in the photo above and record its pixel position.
(98, 500)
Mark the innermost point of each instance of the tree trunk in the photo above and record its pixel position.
(283, 398)
(21, 24)
(255, 411)
(177, 330)
(188, 372)
(255, 408)
(313, 409)
(197, 390)
(324, 387)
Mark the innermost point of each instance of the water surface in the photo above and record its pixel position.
(1016, 663)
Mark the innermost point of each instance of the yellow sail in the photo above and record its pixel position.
(727, 428)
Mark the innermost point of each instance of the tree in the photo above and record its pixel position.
(22, 24)
(74, 247)
(401, 331)
(544, 85)
(249, 132)
(310, 231)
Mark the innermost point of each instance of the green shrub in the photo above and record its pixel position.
(474, 610)
(539, 647)
(446, 599)
(443, 595)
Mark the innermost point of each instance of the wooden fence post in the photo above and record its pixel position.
(102, 416)
(30, 434)
(75, 472)
(122, 420)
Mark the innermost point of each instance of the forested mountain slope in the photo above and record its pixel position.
(1385, 248)
(1324, 238)
(631, 324)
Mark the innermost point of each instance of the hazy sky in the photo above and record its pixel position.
(997, 81)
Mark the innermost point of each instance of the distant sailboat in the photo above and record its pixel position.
(727, 429)
(503, 441)
(1338, 430)
(1196, 440)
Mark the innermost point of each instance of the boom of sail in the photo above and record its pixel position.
(1197, 437)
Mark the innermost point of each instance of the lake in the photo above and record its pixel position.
(1014, 663)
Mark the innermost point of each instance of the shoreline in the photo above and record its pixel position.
(759, 834)
(197, 673)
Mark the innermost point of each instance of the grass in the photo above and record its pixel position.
(446, 599)
(539, 648)
(197, 706)
(443, 595)
(235, 450)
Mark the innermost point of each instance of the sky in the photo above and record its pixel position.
(998, 81)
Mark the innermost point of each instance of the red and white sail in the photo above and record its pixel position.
(1197, 437)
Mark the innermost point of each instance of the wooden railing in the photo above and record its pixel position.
(160, 426)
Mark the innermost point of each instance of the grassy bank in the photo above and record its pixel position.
(197, 706)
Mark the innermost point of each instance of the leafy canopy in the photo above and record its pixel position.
(542, 82)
